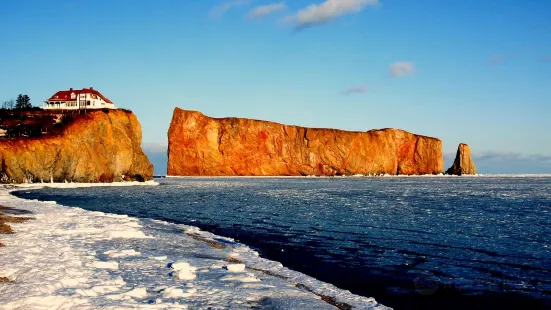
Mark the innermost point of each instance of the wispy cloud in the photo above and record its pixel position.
(498, 156)
(512, 157)
(496, 59)
(355, 90)
(155, 147)
(326, 11)
(400, 69)
(221, 9)
(265, 10)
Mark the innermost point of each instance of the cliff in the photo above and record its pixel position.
(204, 146)
(463, 163)
(100, 146)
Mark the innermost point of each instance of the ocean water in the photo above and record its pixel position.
(409, 242)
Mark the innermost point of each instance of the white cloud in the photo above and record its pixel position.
(264, 10)
(221, 9)
(355, 90)
(399, 69)
(326, 11)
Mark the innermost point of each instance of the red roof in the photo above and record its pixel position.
(65, 95)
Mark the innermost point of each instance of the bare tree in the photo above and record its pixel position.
(8, 104)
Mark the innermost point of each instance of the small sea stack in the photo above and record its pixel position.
(463, 163)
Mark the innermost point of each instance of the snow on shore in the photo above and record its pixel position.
(80, 185)
(72, 258)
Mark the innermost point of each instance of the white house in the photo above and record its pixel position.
(86, 98)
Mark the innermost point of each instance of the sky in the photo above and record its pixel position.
(470, 71)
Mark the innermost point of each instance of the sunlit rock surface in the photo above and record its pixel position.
(100, 147)
(463, 163)
(204, 146)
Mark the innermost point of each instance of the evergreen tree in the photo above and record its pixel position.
(27, 101)
(23, 102)
(19, 102)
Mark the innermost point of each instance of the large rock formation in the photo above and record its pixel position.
(463, 163)
(204, 146)
(101, 146)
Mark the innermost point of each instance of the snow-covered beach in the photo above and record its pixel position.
(67, 258)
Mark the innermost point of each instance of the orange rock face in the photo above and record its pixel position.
(463, 163)
(204, 146)
(101, 147)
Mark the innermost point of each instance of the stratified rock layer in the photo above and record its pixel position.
(204, 146)
(463, 163)
(99, 147)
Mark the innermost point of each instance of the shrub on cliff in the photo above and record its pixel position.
(66, 119)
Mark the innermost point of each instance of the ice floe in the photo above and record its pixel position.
(106, 265)
(183, 270)
(236, 267)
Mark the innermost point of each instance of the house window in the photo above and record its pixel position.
(88, 102)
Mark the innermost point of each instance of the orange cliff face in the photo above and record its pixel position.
(98, 147)
(204, 146)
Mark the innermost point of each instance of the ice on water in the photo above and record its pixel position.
(71, 258)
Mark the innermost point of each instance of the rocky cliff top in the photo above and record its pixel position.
(100, 146)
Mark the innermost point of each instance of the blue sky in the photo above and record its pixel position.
(477, 72)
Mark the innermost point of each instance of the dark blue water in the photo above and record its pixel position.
(412, 243)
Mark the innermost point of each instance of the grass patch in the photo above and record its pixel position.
(5, 229)
(268, 272)
(5, 280)
(4, 219)
(211, 243)
(13, 219)
(234, 261)
(327, 299)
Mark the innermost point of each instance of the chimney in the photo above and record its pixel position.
(91, 88)
(70, 89)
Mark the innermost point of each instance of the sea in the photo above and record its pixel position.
(481, 242)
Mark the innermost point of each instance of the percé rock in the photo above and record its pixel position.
(203, 146)
(101, 146)
(463, 163)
